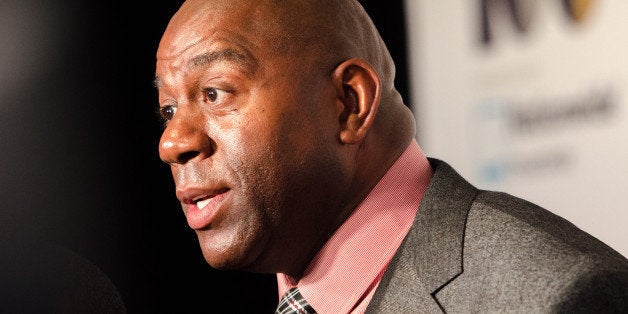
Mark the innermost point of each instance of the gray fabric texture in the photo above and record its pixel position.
(475, 251)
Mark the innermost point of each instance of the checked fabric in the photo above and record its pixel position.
(293, 302)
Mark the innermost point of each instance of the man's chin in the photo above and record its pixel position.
(220, 262)
(230, 258)
(229, 250)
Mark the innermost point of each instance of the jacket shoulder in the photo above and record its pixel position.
(518, 255)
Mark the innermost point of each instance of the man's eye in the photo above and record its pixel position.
(167, 112)
(211, 94)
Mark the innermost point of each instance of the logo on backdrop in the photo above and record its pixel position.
(577, 10)
(521, 15)
(504, 129)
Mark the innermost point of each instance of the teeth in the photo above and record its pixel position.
(202, 203)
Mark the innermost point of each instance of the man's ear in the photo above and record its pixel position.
(358, 88)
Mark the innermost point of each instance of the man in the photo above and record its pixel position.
(292, 153)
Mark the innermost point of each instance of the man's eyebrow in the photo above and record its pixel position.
(244, 60)
(247, 63)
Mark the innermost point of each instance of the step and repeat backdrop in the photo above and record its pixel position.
(528, 97)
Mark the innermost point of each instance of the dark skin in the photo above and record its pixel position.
(278, 124)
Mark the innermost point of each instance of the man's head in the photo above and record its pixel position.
(281, 116)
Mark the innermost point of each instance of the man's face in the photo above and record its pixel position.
(250, 138)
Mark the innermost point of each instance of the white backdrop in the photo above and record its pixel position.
(539, 110)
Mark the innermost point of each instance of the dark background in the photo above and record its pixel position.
(79, 155)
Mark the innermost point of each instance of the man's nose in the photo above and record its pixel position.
(184, 139)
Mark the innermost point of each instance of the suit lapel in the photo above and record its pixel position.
(431, 255)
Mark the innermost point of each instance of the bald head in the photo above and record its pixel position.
(325, 33)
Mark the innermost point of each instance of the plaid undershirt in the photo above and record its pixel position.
(293, 303)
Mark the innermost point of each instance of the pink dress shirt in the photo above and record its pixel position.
(343, 275)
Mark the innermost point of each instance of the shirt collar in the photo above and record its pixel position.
(351, 260)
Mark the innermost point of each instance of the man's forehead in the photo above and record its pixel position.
(298, 29)
(202, 10)
(200, 20)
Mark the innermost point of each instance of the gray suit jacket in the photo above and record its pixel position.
(474, 251)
